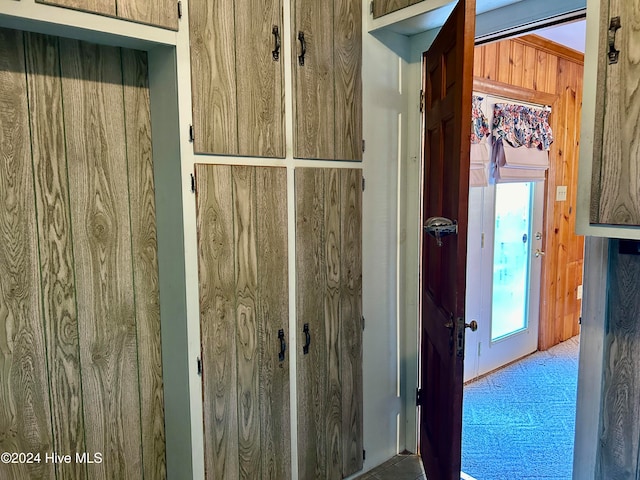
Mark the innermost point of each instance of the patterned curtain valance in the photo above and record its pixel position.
(479, 121)
(521, 126)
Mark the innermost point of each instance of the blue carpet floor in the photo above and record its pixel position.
(519, 422)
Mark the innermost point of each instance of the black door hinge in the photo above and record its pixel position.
(192, 135)
(362, 323)
(418, 397)
(193, 184)
(421, 100)
(363, 184)
(199, 361)
(363, 146)
(364, 455)
(179, 9)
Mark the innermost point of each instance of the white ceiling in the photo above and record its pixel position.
(570, 35)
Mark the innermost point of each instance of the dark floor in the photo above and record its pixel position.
(400, 467)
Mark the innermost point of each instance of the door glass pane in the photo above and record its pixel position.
(511, 254)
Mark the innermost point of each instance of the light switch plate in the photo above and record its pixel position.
(561, 193)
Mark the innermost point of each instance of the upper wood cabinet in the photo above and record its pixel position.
(327, 79)
(236, 77)
(160, 13)
(382, 7)
(615, 186)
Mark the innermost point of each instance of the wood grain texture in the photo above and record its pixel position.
(549, 74)
(620, 426)
(56, 255)
(161, 13)
(106, 7)
(332, 321)
(216, 276)
(25, 424)
(347, 56)
(273, 315)
(311, 271)
(260, 90)
(616, 190)
(314, 100)
(247, 333)
(383, 7)
(144, 247)
(213, 76)
(351, 316)
(97, 169)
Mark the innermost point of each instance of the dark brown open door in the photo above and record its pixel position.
(448, 84)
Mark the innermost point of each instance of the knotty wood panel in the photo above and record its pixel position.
(97, 169)
(216, 276)
(314, 101)
(248, 336)
(347, 46)
(553, 75)
(616, 178)
(259, 79)
(619, 430)
(106, 7)
(273, 311)
(25, 424)
(56, 256)
(213, 76)
(144, 246)
(161, 13)
(351, 315)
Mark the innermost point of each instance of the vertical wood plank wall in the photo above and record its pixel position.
(25, 420)
(534, 63)
(242, 245)
(329, 293)
(95, 295)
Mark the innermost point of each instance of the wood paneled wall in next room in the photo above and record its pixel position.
(539, 65)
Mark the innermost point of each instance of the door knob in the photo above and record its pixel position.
(439, 227)
(539, 253)
(473, 326)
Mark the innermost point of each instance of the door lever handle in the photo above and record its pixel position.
(539, 253)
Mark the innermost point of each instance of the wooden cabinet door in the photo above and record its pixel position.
(327, 79)
(160, 13)
(329, 312)
(383, 7)
(237, 77)
(242, 264)
(615, 192)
